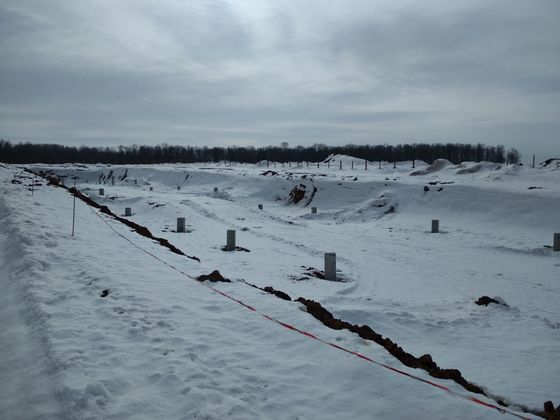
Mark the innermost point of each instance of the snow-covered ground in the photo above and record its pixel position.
(162, 345)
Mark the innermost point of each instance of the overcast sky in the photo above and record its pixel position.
(260, 72)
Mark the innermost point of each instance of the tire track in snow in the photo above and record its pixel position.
(302, 247)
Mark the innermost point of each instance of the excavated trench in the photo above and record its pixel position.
(424, 362)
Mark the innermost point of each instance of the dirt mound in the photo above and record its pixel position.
(486, 300)
(214, 277)
(300, 192)
(550, 412)
(297, 194)
(278, 293)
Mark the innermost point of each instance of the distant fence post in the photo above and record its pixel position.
(101, 191)
(556, 245)
(128, 211)
(313, 210)
(260, 206)
(74, 210)
(365, 162)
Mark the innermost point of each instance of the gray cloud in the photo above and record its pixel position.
(255, 72)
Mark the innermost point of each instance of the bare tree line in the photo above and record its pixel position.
(164, 153)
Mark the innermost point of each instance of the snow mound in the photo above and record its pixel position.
(438, 165)
(514, 170)
(473, 167)
(553, 163)
(371, 209)
(345, 159)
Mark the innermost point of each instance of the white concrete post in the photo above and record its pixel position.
(73, 209)
(556, 246)
(330, 266)
(435, 226)
(181, 224)
(313, 210)
(230, 245)
(260, 206)
(101, 191)
(128, 211)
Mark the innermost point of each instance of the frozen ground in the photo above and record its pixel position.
(161, 345)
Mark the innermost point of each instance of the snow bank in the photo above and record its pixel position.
(473, 167)
(553, 163)
(438, 165)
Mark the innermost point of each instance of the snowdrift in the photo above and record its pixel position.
(437, 166)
